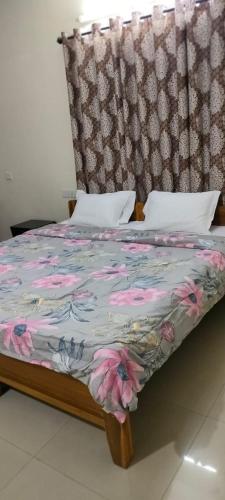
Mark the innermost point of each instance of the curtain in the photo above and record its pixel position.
(147, 102)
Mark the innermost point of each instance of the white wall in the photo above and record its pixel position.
(35, 135)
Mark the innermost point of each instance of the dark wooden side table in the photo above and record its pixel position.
(22, 227)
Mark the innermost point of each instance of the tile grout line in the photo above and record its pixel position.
(204, 417)
(29, 452)
(96, 492)
(195, 436)
(222, 389)
(194, 411)
(69, 477)
(15, 446)
(31, 456)
(188, 448)
(178, 405)
(35, 455)
(33, 459)
(14, 477)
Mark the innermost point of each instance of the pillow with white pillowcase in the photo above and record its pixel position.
(128, 208)
(190, 212)
(217, 231)
(103, 210)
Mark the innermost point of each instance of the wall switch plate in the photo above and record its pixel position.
(69, 194)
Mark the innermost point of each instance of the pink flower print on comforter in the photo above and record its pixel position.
(119, 376)
(45, 364)
(108, 234)
(42, 262)
(75, 242)
(170, 237)
(136, 247)
(3, 250)
(135, 296)
(110, 272)
(167, 331)
(56, 281)
(191, 296)
(19, 333)
(6, 268)
(214, 257)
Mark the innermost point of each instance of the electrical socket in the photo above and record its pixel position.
(69, 194)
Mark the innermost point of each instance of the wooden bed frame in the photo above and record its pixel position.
(70, 395)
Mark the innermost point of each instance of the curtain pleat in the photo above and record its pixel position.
(147, 102)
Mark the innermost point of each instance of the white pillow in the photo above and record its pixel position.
(128, 206)
(79, 192)
(103, 210)
(190, 212)
(217, 231)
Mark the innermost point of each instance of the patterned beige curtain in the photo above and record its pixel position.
(147, 102)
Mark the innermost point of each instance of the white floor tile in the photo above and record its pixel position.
(38, 482)
(26, 422)
(202, 474)
(162, 434)
(218, 409)
(11, 461)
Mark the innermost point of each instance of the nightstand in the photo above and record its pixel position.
(22, 227)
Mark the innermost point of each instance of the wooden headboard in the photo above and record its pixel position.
(219, 219)
(71, 206)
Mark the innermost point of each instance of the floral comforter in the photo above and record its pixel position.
(107, 307)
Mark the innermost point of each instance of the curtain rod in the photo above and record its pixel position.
(147, 16)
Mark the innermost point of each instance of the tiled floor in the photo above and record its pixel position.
(179, 434)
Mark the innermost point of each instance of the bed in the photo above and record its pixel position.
(67, 392)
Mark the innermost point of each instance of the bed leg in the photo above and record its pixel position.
(3, 388)
(119, 437)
